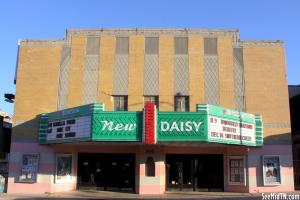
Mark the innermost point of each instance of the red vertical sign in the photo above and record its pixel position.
(149, 123)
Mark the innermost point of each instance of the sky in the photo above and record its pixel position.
(45, 19)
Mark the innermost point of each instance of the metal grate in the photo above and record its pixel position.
(151, 75)
(181, 74)
(211, 80)
(120, 82)
(64, 77)
(238, 70)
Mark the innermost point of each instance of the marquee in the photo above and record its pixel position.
(208, 124)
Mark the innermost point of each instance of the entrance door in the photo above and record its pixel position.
(210, 173)
(179, 172)
(195, 172)
(106, 171)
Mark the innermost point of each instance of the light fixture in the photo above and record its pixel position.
(9, 97)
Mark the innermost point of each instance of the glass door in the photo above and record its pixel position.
(102, 171)
(194, 172)
(179, 173)
(209, 173)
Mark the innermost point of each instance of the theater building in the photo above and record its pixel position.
(150, 111)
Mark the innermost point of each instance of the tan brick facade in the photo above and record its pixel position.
(264, 71)
(107, 52)
(226, 79)
(36, 89)
(136, 73)
(166, 86)
(75, 84)
(266, 87)
(196, 71)
(37, 81)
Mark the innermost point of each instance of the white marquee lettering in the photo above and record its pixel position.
(180, 126)
(197, 125)
(174, 126)
(107, 125)
(164, 126)
(119, 127)
(189, 126)
(131, 127)
(111, 126)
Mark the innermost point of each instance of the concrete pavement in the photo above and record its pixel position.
(92, 194)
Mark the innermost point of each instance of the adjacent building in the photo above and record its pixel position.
(294, 94)
(150, 111)
(5, 139)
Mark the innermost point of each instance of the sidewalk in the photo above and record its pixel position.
(92, 194)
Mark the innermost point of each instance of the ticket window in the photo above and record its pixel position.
(150, 167)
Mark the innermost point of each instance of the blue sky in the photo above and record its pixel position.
(255, 19)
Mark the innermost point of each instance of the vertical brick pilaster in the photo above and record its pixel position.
(226, 78)
(196, 71)
(166, 73)
(136, 73)
(75, 82)
(106, 70)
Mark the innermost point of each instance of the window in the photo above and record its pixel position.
(181, 103)
(271, 170)
(63, 168)
(122, 45)
(120, 103)
(236, 170)
(210, 46)
(29, 168)
(150, 167)
(153, 99)
(181, 45)
(151, 45)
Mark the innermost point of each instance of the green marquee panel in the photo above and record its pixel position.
(181, 126)
(208, 124)
(117, 126)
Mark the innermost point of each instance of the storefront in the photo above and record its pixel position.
(148, 151)
(195, 172)
(106, 171)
